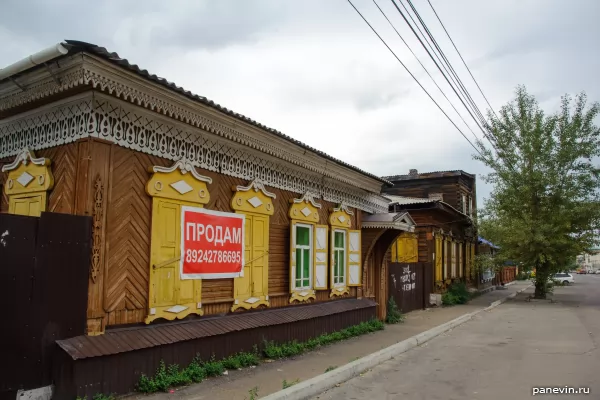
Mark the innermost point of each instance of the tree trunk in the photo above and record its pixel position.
(541, 281)
(540, 288)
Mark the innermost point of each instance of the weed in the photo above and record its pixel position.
(331, 368)
(282, 350)
(394, 315)
(457, 293)
(287, 384)
(253, 393)
(171, 376)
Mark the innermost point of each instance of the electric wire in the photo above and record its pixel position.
(424, 68)
(415, 79)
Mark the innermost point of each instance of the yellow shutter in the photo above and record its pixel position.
(468, 260)
(460, 260)
(439, 258)
(447, 244)
(260, 263)
(170, 296)
(453, 258)
(242, 289)
(320, 257)
(354, 258)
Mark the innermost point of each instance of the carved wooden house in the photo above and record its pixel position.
(443, 206)
(89, 134)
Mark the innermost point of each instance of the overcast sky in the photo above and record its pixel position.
(315, 71)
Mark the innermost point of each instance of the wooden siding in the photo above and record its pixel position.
(90, 169)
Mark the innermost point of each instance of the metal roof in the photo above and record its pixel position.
(403, 200)
(426, 175)
(142, 337)
(75, 46)
(400, 220)
(487, 242)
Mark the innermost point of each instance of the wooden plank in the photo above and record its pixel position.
(61, 198)
(98, 172)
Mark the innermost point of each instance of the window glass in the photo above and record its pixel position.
(303, 257)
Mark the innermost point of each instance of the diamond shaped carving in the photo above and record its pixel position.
(306, 211)
(342, 218)
(255, 202)
(252, 300)
(25, 179)
(182, 187)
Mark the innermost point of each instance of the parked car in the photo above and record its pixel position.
(582, 271)
(598, 271)
(564, 278)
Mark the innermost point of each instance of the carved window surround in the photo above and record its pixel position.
(101, 116)
(104, 76)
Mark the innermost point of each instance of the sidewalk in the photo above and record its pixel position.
(269, 376)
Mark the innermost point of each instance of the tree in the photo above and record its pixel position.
(544, 207)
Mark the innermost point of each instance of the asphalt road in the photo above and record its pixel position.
(501, 354)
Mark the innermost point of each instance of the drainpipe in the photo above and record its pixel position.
(38, 58)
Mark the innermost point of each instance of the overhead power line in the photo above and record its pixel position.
(461, 57)
(424, 68)
(415, 79)
(440, 66)
(453, 73)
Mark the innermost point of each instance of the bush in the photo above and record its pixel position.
(394, 315)
(457, 293)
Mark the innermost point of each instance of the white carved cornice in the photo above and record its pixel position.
(307, 198)
(257, 186)
(25, 157)
(132, 127)
(184, 166)
(85, 69)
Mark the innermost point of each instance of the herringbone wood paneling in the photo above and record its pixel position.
(129, 212)
(3, 197)
(61, 198)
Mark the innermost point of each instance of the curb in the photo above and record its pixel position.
(320, 383)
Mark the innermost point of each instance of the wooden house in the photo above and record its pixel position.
(443, 206)
(283, 241)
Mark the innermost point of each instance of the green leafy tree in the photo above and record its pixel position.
(544, 206)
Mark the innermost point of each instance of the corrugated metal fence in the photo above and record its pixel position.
(44, 265)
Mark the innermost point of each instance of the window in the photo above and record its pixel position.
(464, 204)
(304, 256)
(339, 258)
(470, 206)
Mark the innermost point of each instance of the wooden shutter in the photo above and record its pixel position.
(460, 260)
(439, 258)
(354, 258)
(320, 257)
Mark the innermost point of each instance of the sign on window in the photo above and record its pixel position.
(212, 244)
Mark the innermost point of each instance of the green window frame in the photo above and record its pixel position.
(303, 248)
(339, 257)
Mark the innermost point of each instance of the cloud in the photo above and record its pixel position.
(315, 71)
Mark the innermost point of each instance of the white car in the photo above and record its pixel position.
(563, 277)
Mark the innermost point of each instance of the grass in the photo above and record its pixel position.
(286, 384)
(173, 375)
(253, 393)
(331, 368)
(284, 350)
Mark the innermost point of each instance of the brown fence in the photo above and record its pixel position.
(410, 285)
(114, 362)
(44, 265)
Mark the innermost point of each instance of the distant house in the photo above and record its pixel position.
(443, 206)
